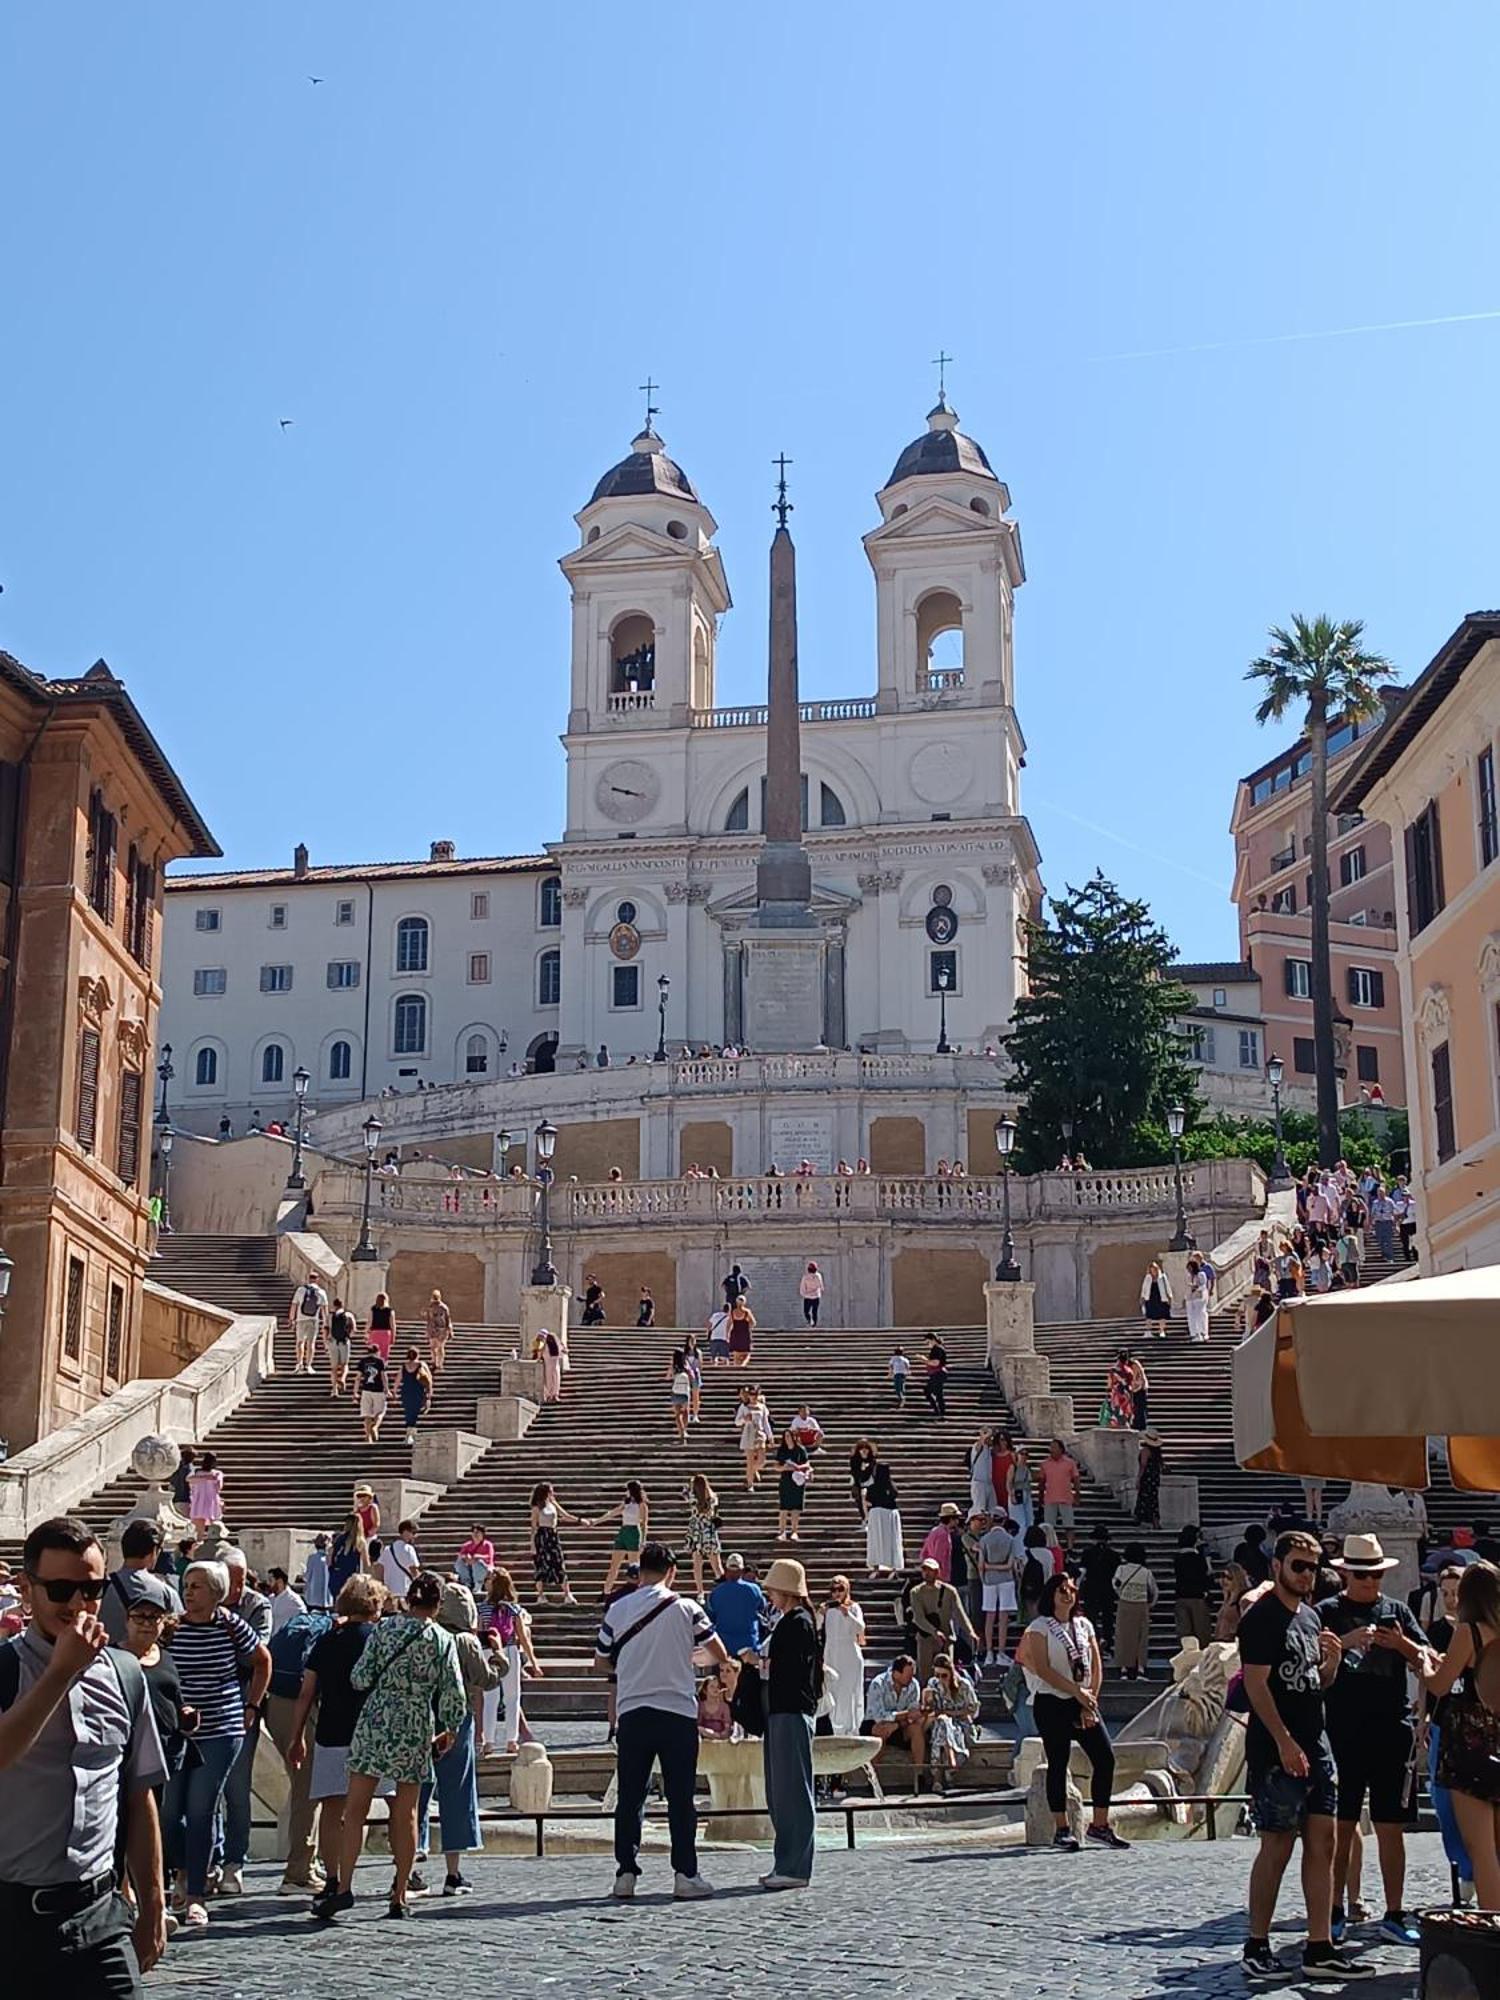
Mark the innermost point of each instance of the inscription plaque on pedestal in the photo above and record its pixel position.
(797, 1136)
(783, 991)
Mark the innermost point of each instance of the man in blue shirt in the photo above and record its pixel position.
(738, 1608)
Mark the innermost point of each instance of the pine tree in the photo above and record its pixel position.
(1095, 1041)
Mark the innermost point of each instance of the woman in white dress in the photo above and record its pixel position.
(884, 1552)
(753, 1422)
(844, 1651)
(1197, 1300)
(982, 1496)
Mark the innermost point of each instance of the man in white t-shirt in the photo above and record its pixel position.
(399, 1561)
(308, 1315)
(285, 1602)
(997, 1574)
(650, 1640)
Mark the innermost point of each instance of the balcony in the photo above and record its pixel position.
(940, 680)
(857, 708)
(632, 701)
(1287, 858)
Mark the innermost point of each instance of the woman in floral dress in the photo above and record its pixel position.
(409, 1675)
(950, 1699)
(702, 1529)
(548, 1561)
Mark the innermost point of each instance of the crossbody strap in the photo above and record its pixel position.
(639, 1626)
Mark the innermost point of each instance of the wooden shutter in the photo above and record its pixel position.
(1377, 989)
(114, 1334)
(1352, 980)
(129, 1158)
(73, 1310)
(1442, 1102)
(86, 1125)
(145, 905)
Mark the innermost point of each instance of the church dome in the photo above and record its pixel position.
(646, 470)
(943, 448)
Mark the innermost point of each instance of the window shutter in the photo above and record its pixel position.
(1377, 989)
(1352, 980)
(1289, 978)
(1435, 837)
(129, 1163)
(86, 1125)
(132, 889)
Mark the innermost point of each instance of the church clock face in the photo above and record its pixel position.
(627, 791)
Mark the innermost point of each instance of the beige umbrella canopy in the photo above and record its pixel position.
(1352, 1384)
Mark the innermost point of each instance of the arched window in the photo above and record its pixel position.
(411, 944)
(550, 906)
(549, 979)
(830, 807)
(940, 641)
(206, 1068)
(632, 656)
(477, 1055)
(411, 1024)
(340, 1062)
(541, 1055)
(738, 818)
(272, 1063)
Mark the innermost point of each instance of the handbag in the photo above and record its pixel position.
(748, 1703)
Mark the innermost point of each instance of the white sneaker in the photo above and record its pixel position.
(783, 1881)
(232, 1882)
(624, 1887)
(691, 1888)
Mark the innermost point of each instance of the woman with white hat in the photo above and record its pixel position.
(794, 1687)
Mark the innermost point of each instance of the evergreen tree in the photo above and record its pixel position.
(1095, 1041)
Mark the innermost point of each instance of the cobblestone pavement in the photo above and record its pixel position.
(941, 1919)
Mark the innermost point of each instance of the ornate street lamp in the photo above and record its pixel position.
(1176, 1120)
(1280, 1173)
(165, 1072)
(1007, 1271)
(663, 987)
(545, 1136)
(1068, 1129)
(503, 1144)
(942, 987)
(364, 1251)
(300, 1080)
(165, 1146)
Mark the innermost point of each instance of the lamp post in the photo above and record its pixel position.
(545, 1136)
(942, 987)
(1176, 1119)
(1007, 1271)
(165, 1073)
(1280, 1173)
(364, 1250)
(663, 987)
(300, 1080)
(502, 1151)
(1068, 1129)
(166, 1182)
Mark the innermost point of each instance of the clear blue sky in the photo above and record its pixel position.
(452, 262)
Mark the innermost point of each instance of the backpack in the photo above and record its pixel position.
(291, 1648)
(312, 1302)
(132, 1679)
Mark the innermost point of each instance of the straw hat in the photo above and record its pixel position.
(949, 1511)
(1363, 1556)
(788, 1575)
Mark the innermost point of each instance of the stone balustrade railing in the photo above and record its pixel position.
(420, 1196)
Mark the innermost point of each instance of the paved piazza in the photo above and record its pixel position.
(937, 1919)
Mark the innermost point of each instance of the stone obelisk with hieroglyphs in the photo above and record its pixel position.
(784, 955)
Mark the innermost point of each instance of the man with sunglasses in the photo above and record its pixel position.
(1288, 1660)
(79, 1753)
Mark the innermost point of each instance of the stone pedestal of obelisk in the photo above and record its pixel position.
(783, 952)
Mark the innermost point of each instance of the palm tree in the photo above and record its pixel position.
(1321, 664)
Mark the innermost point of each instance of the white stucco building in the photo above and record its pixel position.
(449, 970)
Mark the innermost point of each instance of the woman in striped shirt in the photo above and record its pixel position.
(224, 1671)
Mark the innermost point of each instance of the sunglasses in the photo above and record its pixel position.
(1303, 1568)
(62, 1590)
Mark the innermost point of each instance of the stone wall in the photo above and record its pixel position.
(457, 1274)
(983, 1156)
(938, 1287)
(1115, 1273)
(590, 1150)
(706, 1142)
(622, 1273)
(175, 1330)
(898, 1146)
(465, 1149)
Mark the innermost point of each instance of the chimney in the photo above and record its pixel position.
(443, 850)
(299, 860)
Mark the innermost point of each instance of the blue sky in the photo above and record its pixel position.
(452, 261)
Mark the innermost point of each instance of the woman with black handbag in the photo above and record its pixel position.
(1469, 1754)
(793, 1688)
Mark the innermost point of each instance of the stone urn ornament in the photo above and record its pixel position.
(531, 1779)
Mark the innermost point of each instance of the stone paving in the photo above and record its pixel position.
(942, 1918)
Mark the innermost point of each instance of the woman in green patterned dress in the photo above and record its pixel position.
(410, 1678)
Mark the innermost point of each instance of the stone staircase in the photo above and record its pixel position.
(235, 1272)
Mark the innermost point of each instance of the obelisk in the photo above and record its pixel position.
(783, 952)
(783, 874)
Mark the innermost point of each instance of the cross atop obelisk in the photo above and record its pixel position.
(783, 875)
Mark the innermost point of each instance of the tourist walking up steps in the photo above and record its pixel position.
(337, 1342)
(810, 1288)
(415, 1390)
(794, 1688)
(1064, 1673)
(1288, 1660)
(935, 1380)
(647, 1641)
(439, 1323)
(1156, 1300)
(374, 1392)
(307, 1316)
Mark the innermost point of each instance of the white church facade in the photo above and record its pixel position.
(460, 973)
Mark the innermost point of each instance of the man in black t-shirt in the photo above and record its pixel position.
(1288, 1660)
(1370, 1724)
(374, 1392)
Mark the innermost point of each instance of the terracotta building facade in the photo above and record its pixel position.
(1272, 829)
(90, 813)
(1430, 778)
